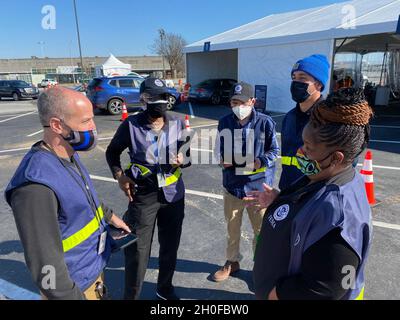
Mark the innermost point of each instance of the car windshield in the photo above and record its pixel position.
(20, 84)
(138, 81)
(206, 84)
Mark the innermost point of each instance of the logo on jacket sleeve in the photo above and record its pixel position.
(281, 212)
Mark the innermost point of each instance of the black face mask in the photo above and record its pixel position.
(156, 109)
(299, 91)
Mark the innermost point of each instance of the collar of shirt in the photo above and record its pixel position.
(39, 146)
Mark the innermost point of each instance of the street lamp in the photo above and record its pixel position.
(79, 38)
(41, 43)
(162, 37)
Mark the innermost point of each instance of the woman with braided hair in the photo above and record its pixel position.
(316, 233)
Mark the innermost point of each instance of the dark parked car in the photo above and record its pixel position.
(17, 89)
(108, 93)
(212, 90)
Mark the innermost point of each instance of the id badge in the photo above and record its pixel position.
(102, 242)
(161, 179)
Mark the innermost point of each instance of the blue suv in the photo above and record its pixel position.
(108, 93)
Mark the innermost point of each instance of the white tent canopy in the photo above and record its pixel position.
(339, 20)
(263, 52)
(113, 67)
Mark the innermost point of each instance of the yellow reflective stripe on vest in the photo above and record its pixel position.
(78, 237)
(168, 180)
(174, 178)
(142, 169)
(290, 161)
(263, 169)
(361, 295)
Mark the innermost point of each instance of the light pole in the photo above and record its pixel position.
(72, 64)
(41, 43)
(79, 38)
(162, 38)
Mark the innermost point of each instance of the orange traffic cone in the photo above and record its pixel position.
(368, 176)
(187, 123)
(124, 114)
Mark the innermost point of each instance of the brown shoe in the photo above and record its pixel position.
(228, 269)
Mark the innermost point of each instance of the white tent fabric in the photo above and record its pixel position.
(268, 48)
(339, 20)
(113, 67)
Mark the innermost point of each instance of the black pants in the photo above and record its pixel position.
(143, 212)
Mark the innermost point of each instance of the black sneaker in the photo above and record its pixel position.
(167, 296)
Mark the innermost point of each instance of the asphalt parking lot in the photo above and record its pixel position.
(202, 248)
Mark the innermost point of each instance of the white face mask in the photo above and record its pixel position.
(242, 111)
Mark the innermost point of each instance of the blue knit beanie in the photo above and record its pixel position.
(316, 66)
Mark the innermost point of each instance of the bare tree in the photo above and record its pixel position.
(170, 46)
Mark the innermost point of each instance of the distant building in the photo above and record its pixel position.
(68, 70)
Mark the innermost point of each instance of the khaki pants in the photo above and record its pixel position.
(233, 210)
(90, 293)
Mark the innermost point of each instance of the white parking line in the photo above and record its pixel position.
(35, 133)
(380, 167)
(105, 138)
(191, 110)
(102, 178)
(386, 225)
(220, 197)
(204, 194)
(205, 125)
(194, 127)
(101, 149)
(19, 116)
(194, 192)
(13, 150)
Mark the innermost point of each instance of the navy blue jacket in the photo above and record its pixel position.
(291, 139)
(265, 148)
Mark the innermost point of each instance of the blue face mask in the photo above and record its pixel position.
(82, 140)
(299, 91)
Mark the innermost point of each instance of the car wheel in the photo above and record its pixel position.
(171, 102)
(16, 96)
(215, 99)
(114, 106)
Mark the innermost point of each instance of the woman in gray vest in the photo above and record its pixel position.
(153, 183)
(316, 234)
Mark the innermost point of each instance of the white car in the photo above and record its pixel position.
(46, 82)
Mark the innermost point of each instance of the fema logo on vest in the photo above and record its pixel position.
(279, 214)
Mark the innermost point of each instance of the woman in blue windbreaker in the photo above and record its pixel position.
(316, 233)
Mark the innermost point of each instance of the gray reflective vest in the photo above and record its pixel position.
(150, 154)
